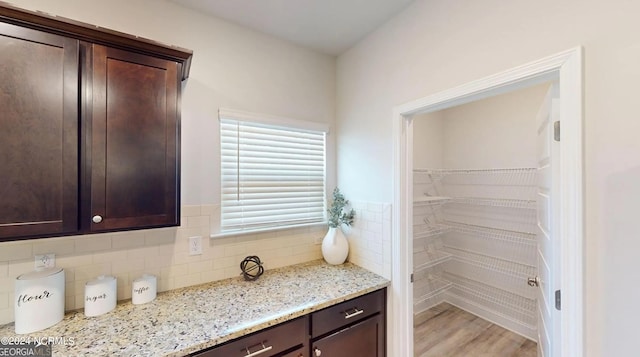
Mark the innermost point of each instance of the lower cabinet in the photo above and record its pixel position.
(364, 339)
(354, 328)
(273, 341)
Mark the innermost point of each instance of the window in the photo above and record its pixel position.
(273, 172)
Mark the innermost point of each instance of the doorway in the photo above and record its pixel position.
(565, 69)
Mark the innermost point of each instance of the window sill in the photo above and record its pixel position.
(263, 230)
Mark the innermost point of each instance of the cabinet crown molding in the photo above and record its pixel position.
(86, 32)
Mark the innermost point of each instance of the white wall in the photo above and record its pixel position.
(437, 44)
(428, 140)
(232, 67)
(497, 132)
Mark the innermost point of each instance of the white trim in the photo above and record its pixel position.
(239, 115)
(241, 232)
(567, 68)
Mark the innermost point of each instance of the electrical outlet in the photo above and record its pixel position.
(195, 245)
(44, 261)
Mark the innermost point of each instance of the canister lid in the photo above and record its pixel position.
(100, 280)
(39, 274)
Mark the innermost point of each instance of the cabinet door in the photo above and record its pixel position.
(38, 133)
(365, 339)
(134, 141)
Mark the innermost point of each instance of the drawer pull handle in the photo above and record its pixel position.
(355, 312)
(317, 351)
(263, 350)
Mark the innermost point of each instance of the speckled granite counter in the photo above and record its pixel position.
(186, 320)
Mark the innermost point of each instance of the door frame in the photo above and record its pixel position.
(565, 67)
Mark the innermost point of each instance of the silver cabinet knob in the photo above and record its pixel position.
(97, 219)
(317, 352)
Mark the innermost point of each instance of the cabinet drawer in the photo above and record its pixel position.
(345, 313)
(264, 343)
(364, 339)
(300, 352)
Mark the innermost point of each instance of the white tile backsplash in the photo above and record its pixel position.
(162, 251)
(370, 237)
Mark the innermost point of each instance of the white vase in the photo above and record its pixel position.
(335, 246)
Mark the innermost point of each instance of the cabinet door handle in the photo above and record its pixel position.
(97, 219)
(263, 350)
(355, 312)
(317, 351)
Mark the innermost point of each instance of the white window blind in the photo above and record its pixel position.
(272, 176)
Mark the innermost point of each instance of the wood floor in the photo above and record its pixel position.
(447, 331)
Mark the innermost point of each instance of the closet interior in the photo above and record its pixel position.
(474, 209)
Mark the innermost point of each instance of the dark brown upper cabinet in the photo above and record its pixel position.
(89, 128)
(134, 140)
(38, 133)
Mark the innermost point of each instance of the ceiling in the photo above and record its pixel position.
(326, 26)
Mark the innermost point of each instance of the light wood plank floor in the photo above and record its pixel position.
(447, 331)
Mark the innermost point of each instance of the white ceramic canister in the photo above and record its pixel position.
(39, 300)
(143, 289)
(100, 295)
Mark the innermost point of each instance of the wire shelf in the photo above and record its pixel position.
(515, 306)
(429, 258)
(430, 200)
(428, 288)
(429, 230)
(427, 304)
(495, 202)
(500, 273)
(492, 233)
(514, 183)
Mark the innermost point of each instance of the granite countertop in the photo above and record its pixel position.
(186, 320)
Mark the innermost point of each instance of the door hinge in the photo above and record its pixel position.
(558, 300)
(411, 277)
(556, 130)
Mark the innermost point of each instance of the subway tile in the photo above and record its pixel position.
(93, 243)
(125, 266)
(212, 275)
(4, 269)
(142, 253)
(375, 207)
(79, 301)
(69, 303)
(225, 262)
(57, 246)
(209, 210)
(11, 251)
(20, 267)
(175, 270)
(187, 280)
(160, 236)
(198, 267)
(234, 249)
(111, 256)
(165, 284)
(6, 316)
(70, 288)
(198, 221)
(7, 284)
(74, 260)
(90, 272)
(69, 274)
(190, 211)
(128, 240)
(158, 261)
(4, 300)
(166, 250)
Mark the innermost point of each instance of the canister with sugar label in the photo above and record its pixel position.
(100, 295)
